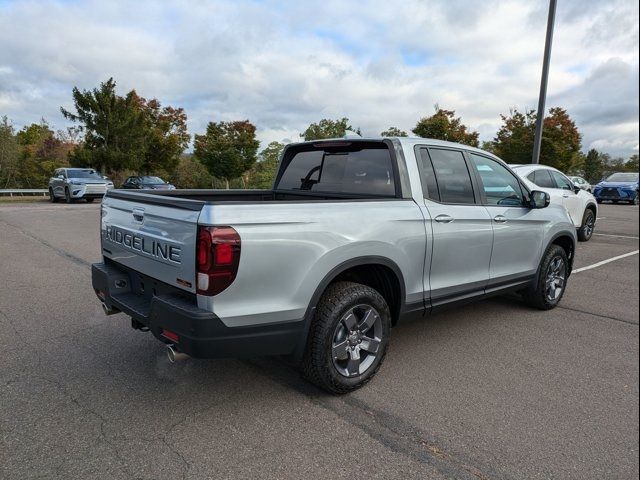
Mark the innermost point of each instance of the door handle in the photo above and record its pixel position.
(500, 219)
(443, 219)
(565, 196)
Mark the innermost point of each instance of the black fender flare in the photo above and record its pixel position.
(330, 277)
(546, 247)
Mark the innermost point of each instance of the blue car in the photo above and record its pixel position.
(618, 187)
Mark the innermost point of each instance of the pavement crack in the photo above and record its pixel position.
(388, 429)
(598, 315)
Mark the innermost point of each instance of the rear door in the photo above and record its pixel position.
(153, 235)
(517, 229)
(462, 232)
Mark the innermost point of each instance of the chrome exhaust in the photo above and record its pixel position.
(174, 355)
(109, 310)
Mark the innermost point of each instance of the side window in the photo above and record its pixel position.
(427, 176)
(500, 186)
(563, 182)
(452, 176)
(543, 179)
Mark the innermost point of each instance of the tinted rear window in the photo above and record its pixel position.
(357, 169)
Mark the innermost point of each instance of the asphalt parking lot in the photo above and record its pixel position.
(493, 390)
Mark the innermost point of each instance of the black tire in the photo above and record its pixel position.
(52, 197)
(599, 201)
(67, 196)
(328, 332)
(585, 232)
(635, 200)
(536, 295)
(89, 200)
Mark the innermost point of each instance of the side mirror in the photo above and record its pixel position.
(539, 199)
(60, 177)
(576, 189)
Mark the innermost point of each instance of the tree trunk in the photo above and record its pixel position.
(226, 182)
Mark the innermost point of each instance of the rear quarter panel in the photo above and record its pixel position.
(288, 248)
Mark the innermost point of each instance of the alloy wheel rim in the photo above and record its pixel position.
(589, 226)
(357, 341)
(555, 279)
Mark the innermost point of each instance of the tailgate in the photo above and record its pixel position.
(152, 234)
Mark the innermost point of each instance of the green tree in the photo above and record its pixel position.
(41, 151)
(632, 163)
(393, 132)
(115, 128)
(190, 173)
(327, 128)
(444, 125)
(166, 136)
(561, 140)
(227, 149)
(8, 153)
(264, 171)
(593, 166)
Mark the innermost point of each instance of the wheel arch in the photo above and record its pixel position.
(380, 273)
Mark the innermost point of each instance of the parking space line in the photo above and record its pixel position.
(604, 262)
(617, 236)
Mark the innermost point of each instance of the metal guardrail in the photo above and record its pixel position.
(23, 191)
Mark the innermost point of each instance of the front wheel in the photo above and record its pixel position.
(67, 196)
(585, 232)
(348, 338)
(549, 288)
(89, 200)
(52, 197)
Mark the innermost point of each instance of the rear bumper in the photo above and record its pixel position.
(201, 334)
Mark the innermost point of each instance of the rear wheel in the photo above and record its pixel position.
(552, 280)
(348, 337)
(588, 224)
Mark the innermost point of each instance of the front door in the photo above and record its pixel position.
(518, 230)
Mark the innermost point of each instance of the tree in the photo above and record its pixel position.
(8, 153)
(561, 141)
(632, 163)
(114, 128)
(264, 171)
(393, 132)
(443, 125)
(40, 153)
(165, 139)
(227, 149)
(190, 173)
(593, 166)
(327, 128)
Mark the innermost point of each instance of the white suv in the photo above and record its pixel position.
(581, 205)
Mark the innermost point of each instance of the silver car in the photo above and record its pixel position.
(77, 183)
(581, 183)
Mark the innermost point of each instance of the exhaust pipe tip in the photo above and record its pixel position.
(174, 355)
(109, 310)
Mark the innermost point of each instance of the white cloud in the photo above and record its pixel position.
(284, 65)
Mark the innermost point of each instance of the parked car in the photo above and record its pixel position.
(618, 187)
(581, 205)
(356, 236)
(582, 183)
(77, 183)
(147, 182)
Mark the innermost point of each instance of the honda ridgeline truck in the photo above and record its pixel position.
(355, 236)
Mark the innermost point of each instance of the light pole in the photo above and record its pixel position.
(537, 139)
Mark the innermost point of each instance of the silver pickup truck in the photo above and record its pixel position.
(356, 236)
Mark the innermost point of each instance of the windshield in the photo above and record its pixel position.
(82, 173)
(153, 180)
(623, 177)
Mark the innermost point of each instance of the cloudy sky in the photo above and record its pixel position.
(286, 64)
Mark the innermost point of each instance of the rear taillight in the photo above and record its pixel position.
(217, 259)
